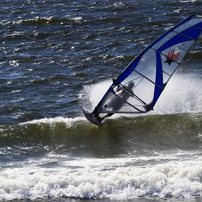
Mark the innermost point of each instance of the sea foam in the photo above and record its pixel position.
(93, 178)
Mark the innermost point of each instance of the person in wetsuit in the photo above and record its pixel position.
(123, 93)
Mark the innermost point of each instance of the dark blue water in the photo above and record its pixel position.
(56, 56)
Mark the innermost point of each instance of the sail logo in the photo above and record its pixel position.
(172, 56)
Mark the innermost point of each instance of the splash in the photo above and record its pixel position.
(181, 95)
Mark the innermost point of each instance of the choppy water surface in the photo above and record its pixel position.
(58, 55)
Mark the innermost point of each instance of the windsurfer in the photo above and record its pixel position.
(117, 101)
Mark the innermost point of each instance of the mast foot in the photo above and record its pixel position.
(93, 119)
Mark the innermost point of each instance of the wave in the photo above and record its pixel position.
(118, 136)
(174, 123)
(127, 158)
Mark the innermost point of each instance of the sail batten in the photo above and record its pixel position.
(184, 35)
(197, 28)
(147, 78)
(166, 73)
(183, 49)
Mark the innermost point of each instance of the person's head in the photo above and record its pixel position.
(130, 85)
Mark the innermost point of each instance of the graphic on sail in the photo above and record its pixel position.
(138, 87)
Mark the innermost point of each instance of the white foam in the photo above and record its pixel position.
(114, 178)
(182, 94)
(95, 92)
(52, 121)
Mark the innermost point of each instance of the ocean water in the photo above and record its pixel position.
(59, 55)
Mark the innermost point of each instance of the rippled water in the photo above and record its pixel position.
(58, 55)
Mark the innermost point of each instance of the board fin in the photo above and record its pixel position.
(95, 120)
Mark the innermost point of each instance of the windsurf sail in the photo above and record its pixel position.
(150, 71)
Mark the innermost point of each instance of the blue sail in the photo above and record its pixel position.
(151, 70)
